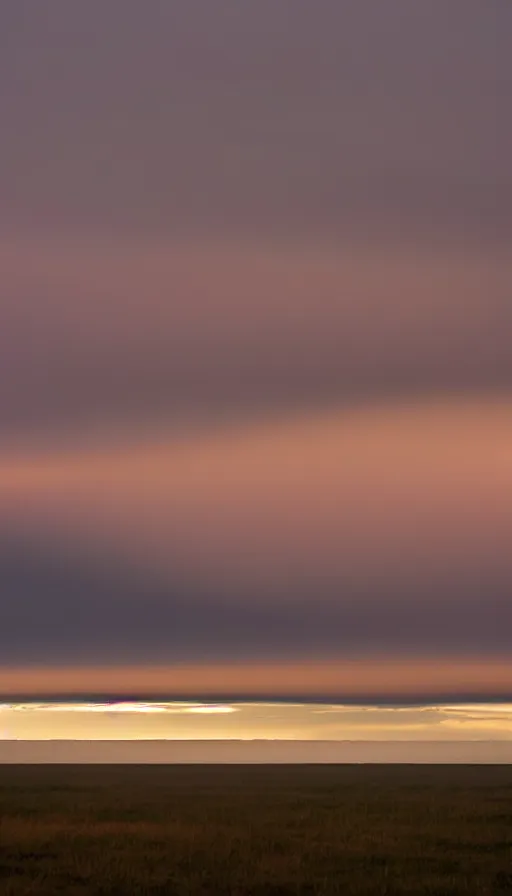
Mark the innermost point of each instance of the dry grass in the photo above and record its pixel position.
(255, 830)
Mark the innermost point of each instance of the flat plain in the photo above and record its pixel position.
(255, 830)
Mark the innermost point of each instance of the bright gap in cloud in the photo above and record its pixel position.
(128, 720)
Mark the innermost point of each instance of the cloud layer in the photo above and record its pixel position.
(255, 328)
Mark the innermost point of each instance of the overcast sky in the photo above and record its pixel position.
(255, 331)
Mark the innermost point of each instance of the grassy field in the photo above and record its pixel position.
(258, 830)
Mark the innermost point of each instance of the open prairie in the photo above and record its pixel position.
(255, 830)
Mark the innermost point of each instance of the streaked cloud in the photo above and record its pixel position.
(118, 707)
(360, 677)
(104, 342)
(369, 532)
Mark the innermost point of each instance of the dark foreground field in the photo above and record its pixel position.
(259, 830)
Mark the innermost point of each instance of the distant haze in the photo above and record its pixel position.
(254, 752)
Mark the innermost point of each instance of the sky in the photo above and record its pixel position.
(186, 731)
(255, 366)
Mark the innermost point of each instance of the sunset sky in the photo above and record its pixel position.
(256, 369)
